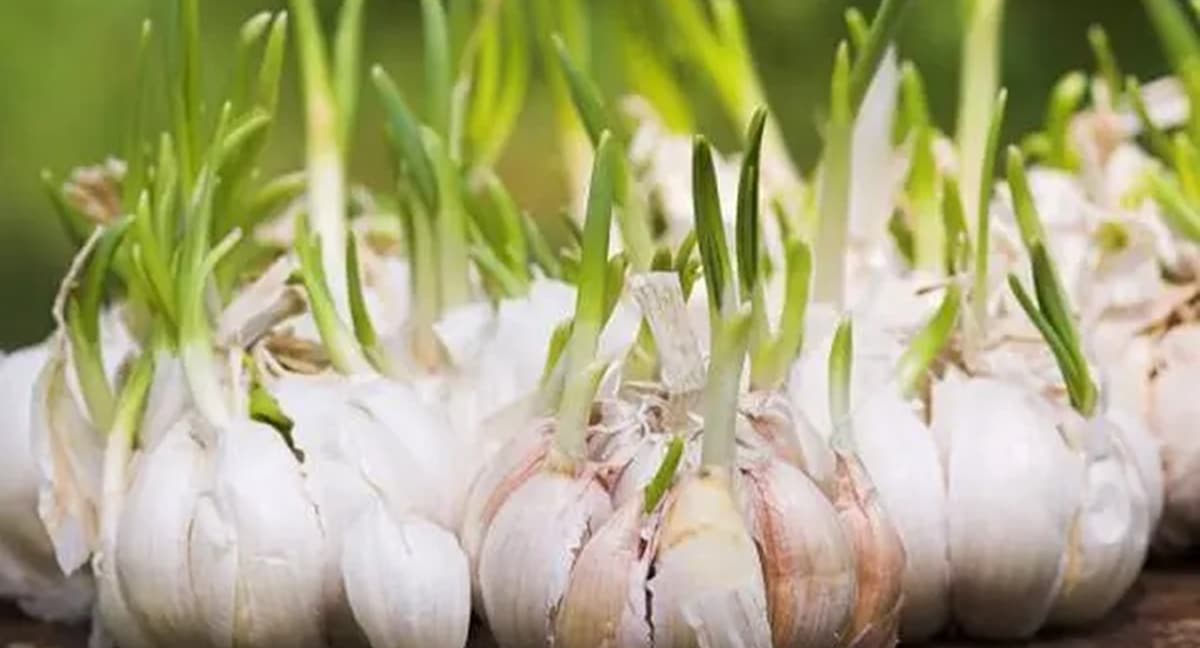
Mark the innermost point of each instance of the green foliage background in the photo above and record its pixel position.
(66, 78)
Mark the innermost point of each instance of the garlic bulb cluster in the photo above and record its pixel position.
(901, 404)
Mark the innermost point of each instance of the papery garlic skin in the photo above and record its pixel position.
(29, 573)
(808, 564)
(605, 604)
(67, 446)
(529, 549)
(407, 581)
(880, 557)
(707, 589)
(1003, 455)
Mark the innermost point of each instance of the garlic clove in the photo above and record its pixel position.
(515, 463)
(903, 461)
(1172, 414)
(880, 557)
(605, 603)
(407, 581)
(808, 565)
(529, 550)
(258, 546)
(1111, 529)
(707, 588)
(1004, 456)
(152, 546)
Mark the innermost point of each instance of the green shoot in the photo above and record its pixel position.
(1182, 46)
(132, 401)
(1106, 61)
(154, 260)
(582, 374)
(326, 171)
(858, 29)
(250, 34)
(661, 482)
(987, 165)
(265, 409)
(1080, 388)
(451, 226)
(135, 156)
(1024, 208)
(710, 234)
(727, 359)
(635, 228)
(749, 257)
(834, 196)
(83, 325)
(405, 133)
(958, 243)
(1176, 209)
(978, 76)
(439, 77)
(841, 356)
(883, 25)
(340, 342)
(347, 57)
(914, 365)
(76, 227)
(771, 362)
(929, 248)
(1157, 140)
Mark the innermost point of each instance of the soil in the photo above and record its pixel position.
(1161, 611)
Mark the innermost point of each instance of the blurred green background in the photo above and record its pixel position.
(66, 79)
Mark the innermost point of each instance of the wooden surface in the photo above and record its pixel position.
(1162, 611)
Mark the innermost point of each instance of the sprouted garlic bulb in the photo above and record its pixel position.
(545, 514)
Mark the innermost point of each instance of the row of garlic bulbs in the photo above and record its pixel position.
(259, 538)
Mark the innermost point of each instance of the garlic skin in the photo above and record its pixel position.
(605, 604)
(29, 573)
(68, 449)
(529, 549)
(708, 585)
(808, 564)
(406, 581)
(1003, 454)
(879, 567)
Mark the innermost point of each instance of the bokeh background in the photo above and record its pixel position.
(66, 77)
